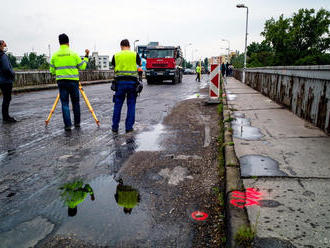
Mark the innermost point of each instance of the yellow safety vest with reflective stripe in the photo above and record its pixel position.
(65, 64)
(125, 63)
(198, 69)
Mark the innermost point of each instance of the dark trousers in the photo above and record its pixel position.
(69, 88)
(124, 89)
(198, 78)
(6, 92)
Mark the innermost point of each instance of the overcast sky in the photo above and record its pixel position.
(30, 25)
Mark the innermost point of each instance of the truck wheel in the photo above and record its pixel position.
(149, 81)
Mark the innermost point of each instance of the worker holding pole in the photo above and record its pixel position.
(65, 65)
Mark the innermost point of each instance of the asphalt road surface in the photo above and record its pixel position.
(38, 162)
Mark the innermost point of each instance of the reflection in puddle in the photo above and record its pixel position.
(243, 130)
(75, 193)
(114, 216)
(231, 97)
(126, 197)
(149, 140)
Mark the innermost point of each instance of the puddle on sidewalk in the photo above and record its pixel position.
(243, 130)
(150, 140)
(230, 96)
(257, 165)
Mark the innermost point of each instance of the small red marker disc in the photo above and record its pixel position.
(198, 215)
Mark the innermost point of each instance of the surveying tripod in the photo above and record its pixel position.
(86, 101)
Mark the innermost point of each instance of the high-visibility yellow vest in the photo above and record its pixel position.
(65, 64)
(198, 69)
(128, 199)
(125, 63)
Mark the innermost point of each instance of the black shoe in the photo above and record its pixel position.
(129, 131)
(9, 120)
(68, 128)
(114, 131)
(77, 125)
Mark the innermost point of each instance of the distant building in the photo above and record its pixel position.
(153, 43)
(101, 61)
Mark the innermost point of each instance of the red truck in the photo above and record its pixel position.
(163, 63)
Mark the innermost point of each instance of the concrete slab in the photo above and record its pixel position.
(251, 102)
(294, 210)
(277, 123)
(297, 157)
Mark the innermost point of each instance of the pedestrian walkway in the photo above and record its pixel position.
(287, 160)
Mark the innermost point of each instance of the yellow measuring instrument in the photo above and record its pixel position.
(53, 109)
(88, 104)
(86, 101)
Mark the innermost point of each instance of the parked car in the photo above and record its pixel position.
(188, 71)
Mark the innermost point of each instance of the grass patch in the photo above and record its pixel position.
(228, 144)
(220, 196)
(220, 108)
(229, 119)
(245, 236)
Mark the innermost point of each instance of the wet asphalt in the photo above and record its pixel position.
(36, 161)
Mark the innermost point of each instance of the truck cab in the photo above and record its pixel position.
(163, 63)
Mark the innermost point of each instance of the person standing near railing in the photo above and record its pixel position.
(7, 77)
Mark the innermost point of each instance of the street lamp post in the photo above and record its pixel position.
(227, 48)
(192, 54)
(185, 51)
(246, 33)
(134, 44)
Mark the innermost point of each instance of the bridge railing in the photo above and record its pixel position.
(305, 90)
(30, 78)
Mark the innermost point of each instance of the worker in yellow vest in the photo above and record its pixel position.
(126, 80)
(65, 65)
(75, 193)
(126, 197)
(198, 73)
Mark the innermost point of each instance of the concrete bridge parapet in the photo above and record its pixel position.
(38, 78)
(305, 90)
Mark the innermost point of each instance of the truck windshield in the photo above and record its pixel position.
(160, 53)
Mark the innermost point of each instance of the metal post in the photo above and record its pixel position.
(134, 44)
(246, 34)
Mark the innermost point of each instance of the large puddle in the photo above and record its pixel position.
(102, 211)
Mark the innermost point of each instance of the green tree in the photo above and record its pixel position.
(259, 54)
(256, 47)
(301, 39)
(12, 59)
(206, 63)
(238, 60)
(34, 61)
